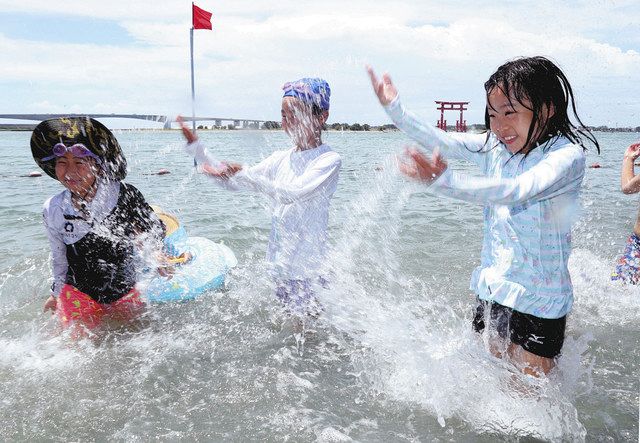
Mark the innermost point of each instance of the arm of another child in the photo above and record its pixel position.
(559, 172)
(454, 145)
(630, 183)
(195, 148)
(257, 177)
(322, 177)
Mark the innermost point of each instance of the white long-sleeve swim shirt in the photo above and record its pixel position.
(300, 185)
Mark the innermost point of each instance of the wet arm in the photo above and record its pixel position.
(559, 172)
(629, 181)
(198, 150)
(59, 262)
(459, 145)
(323, 176)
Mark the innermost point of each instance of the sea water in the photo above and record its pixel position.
(392, 358)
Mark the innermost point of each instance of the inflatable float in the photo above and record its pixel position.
(200, 265)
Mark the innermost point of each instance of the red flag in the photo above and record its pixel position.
(201, 18)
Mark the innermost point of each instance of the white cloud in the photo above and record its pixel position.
(434, 51)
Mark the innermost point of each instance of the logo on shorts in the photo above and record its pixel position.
(536, 338)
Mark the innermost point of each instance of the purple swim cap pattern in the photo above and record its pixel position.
(310, 90)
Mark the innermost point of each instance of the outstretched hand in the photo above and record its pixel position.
(632, 152)
(226, 171)
(384, 89)
(419, 167)
(188, 133)
(51, 304)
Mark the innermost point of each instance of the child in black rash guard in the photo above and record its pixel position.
(95, 225)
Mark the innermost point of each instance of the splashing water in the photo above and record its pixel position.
(392, 358)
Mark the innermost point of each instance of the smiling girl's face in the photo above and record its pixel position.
(510, 120)
(77, 174)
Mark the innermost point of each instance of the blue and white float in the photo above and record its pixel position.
(206, 270)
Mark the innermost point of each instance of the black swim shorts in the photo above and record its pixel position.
(540, 336)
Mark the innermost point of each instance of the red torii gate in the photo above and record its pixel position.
(461, 125)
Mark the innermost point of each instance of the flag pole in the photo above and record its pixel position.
(193, 88)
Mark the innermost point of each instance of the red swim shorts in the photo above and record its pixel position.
(74, 305)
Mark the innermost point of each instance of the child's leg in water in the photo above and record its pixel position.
(497, 333)
(528, 362)
(535, 342)
(509, 332)
(299, 298)
(301, 303)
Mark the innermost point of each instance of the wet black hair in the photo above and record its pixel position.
(540, 82)
(316, 110)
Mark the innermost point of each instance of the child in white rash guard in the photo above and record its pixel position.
(299, 182)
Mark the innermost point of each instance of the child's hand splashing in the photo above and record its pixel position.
(51, 304)
(226, 170)
(632, 152)
(384, 89)
(629, 180)
(188, 134)
(419, 167)
(208, 163)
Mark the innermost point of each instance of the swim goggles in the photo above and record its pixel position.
(77, 150)
(297, 86)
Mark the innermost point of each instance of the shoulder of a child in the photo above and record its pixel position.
(567, 148)
(331, 158)
(274, 157)
(126, 187)
(131, 191)
(271, 161)
(131, 196)
(54, 202)
(566, 156)
(280, 154)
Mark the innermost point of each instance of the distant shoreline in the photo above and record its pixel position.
(334, 127)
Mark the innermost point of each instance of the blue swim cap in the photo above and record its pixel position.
(309, 90)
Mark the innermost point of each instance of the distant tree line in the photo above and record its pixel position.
(389, 127)
(608, 129)
(339, 126)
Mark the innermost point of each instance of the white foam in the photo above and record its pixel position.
(598, 300)
(418, 344)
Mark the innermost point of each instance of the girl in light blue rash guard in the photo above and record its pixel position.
(532, 160)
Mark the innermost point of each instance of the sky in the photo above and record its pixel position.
(123, 56)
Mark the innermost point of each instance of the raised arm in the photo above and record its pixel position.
(459, 145)
(629, 182)
(221, 171)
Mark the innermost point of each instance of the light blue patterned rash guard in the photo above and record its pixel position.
(530, 204)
